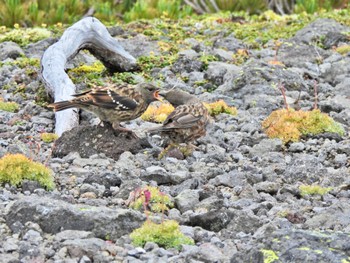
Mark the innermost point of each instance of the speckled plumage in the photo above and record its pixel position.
(114, 103)
(187, 122)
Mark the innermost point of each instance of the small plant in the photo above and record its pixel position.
(157, 113)
(48, 137)
(150, 198)
(9, 106)
(219, 107)
(313, 190)
(166, 234)
(14, 168)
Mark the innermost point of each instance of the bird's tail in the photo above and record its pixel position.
(62, 105)
(157, 129)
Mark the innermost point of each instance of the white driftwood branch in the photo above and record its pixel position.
(88, 33)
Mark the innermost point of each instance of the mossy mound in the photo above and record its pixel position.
(166, 234)
(14, 168)
(289, 125)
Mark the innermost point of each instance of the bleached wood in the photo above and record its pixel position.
(88, 33)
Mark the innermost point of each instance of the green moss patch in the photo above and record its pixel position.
(166, 234)
(289, 125)
(14, 168)
(9, 106)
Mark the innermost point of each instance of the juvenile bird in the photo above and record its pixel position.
(114, 103)
(187, 122)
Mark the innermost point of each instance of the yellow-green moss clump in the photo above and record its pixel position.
(14, 168)
(220, 106)
(158, 201)
(269, 256)
(343, 49)
(48, 137)
(289, 125)
(157, 113)
(313, 190)
(166, 234)
(24, 36)
(9, 106)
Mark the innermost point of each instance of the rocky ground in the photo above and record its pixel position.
(237, 195)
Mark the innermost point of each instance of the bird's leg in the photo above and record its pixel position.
(116, 126)
(167, 149)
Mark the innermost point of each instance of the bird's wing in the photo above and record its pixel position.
(182, 118)
(108, 98)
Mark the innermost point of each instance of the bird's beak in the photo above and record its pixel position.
(156, 96)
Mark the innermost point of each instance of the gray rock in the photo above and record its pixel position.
(229, 43)
(54, 216)
(335, 217)
(317, 29)
(223, 55)
(266, 146)
(210, 253)
(11, 50)
(187, 200)
(72, 234)
(10, 245)
(296, 147)
(139, 45)
(214, 220)
(219, 72)
(267, 187)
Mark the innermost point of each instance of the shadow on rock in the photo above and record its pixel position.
(90, 140)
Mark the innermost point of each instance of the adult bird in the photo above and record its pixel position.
(114, 103)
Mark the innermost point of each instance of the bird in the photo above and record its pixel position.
(113, 103)
(187, 122)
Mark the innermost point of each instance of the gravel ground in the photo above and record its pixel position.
(237, 195)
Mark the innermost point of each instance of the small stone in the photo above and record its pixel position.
(297, 147)
(187, 200)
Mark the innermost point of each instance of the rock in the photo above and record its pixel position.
(214, 220)
(210, 253)
(296, 147)
(140, 45)
(267, 187)
(54, 216)
(243, 221)
(305, 245)
(229, 43)
(187, 200)
(11, 50)
(107, 179)
(317, 29)
(335, 217)
(89, 140)
(72, 234)
(266, 146)
(219, 72)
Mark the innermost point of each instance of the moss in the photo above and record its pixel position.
(24, 36)
(289, 125)
(345, 260)
(304, 248)
(48, 137)
(9, 106)
(87, 73)
(219, 107)
(343, 49)
(157, 113)
(167, 235)
(158, 202)
(269, 256)
(313, 190)
(14, 168)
